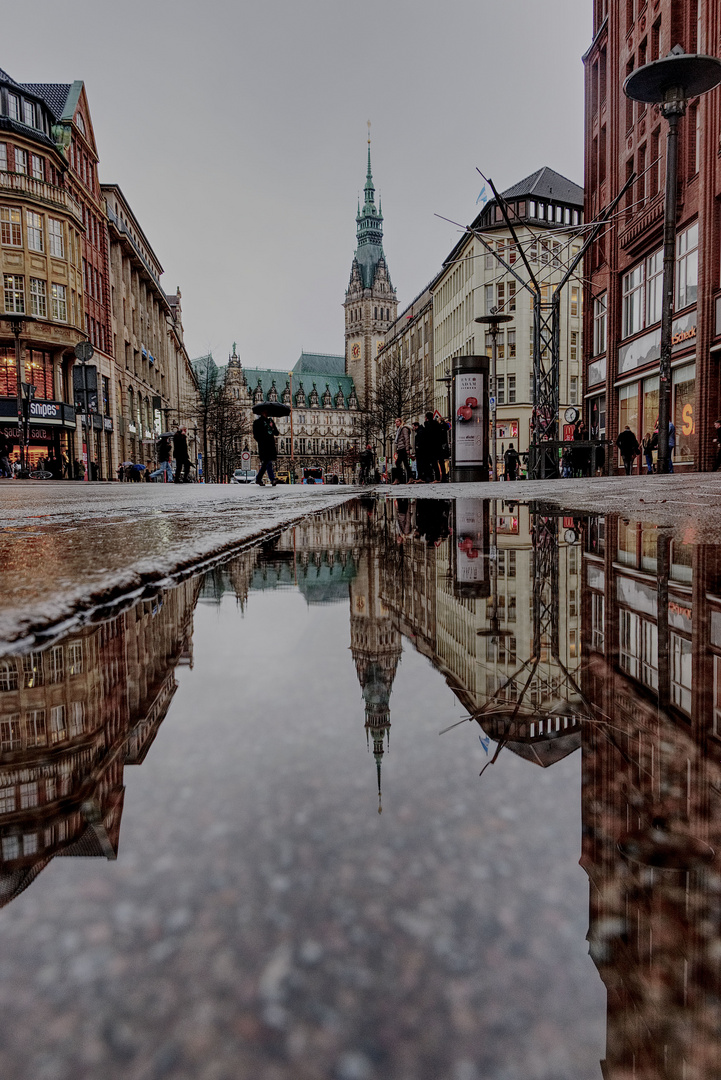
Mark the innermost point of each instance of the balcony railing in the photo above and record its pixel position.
(21, 184)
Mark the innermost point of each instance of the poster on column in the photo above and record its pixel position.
(468, 412)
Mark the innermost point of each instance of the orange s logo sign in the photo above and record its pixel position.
(687, 427)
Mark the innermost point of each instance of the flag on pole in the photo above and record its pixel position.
(485, 743)
(482, 196)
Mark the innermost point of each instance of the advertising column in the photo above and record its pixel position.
(470, 419)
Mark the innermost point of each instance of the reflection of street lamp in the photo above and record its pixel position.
(493, 321)
(670, 83)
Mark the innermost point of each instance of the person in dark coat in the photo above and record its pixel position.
(627, 443)
(164, 453)
(511, 462)
(265, 433)
(367, 461)
(181, 455)
(436, 442)
(716, 443)
(422, 456)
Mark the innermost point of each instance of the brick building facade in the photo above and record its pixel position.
(622, 313)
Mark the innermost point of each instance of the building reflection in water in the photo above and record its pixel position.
(555, 633)
(72, 716)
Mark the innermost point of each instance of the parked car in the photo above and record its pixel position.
(243, 476)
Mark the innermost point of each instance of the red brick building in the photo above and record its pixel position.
(622, 327)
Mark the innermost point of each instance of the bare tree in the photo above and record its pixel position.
(394, 394)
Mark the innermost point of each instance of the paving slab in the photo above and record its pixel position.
(688, 503)
(67, 548)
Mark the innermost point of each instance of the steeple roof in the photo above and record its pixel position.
(369, 230)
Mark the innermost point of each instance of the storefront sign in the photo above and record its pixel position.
(108, 423)
(647, 349)
(54, 413)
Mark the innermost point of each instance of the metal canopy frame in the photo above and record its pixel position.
(543, 460)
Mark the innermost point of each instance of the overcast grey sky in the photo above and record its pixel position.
(237, 131)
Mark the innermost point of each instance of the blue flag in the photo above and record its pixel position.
(482, 196)
(485, 743)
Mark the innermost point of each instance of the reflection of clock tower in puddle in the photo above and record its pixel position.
(370, 300)
(376, 649)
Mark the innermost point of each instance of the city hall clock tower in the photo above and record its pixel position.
(370, 303)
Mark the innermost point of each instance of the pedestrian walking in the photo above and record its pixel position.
(511, 462)
(420, 439)
(164, 469)
(647, 446)
(627, 443)
(436, 442)
(5, 448)
(265, 433)
(671, 444)
(181, 455)
(403, 446)
(367, 462)
(716, 443)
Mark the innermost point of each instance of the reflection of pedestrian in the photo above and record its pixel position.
(627, 443)
(647, 447)
(181, 455)
(716, 443)
(671, 443)
(511, 462)
(264, 433)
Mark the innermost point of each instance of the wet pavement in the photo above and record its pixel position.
(66, 548)
(234, 844)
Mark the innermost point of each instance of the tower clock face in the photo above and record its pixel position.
(379, 346)
(355, 352)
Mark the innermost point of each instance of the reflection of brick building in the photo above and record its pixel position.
(651, 783)
(71, 717)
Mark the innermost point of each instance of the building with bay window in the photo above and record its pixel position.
(41, 252)
(624, 267)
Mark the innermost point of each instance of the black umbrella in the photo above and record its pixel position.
(272, 408)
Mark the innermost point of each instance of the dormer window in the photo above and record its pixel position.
(80, 123)
(13, 106)
(29, 113)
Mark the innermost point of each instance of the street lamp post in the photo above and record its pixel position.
(493, 321)
(670, 83)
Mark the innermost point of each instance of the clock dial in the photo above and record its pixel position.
(355, 352)
(571, 415)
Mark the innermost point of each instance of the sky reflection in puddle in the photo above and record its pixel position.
(260, 919)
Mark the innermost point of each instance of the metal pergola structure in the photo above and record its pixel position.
(545, 445)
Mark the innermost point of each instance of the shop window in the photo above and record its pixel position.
(684, 413)
(650, 405)
(628, 408)
(681, 673)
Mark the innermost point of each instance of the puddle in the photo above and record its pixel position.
(234, 844)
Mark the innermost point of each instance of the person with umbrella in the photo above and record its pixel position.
(265, 433)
